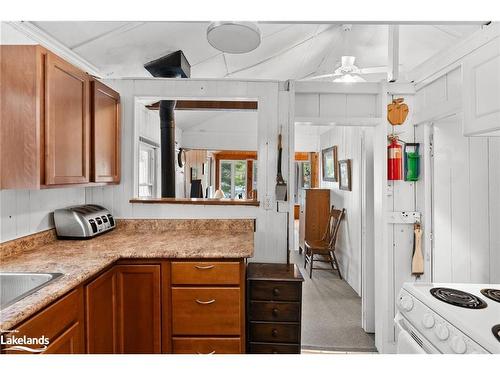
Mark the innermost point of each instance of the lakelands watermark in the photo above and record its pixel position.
(11, 342)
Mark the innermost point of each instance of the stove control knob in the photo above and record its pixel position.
(428, 321)
(458, 345)
(406, 303)
(442, 332)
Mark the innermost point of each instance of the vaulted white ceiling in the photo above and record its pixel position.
(287, 51)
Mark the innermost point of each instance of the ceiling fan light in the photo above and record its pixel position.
(234, 37)
(349, 78)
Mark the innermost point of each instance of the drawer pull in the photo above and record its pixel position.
(274, 332)
(212, 352)
(276, 292)
(205, 302)
(204, 267)
(275, 312)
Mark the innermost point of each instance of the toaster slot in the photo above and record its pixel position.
(93, 225)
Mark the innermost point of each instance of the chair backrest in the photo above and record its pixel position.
(334, 219)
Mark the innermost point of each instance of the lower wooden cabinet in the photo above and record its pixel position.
(134, 307)
(208, 307)
(101, 314)
(124, 311)
(61, 323)
(139, 308)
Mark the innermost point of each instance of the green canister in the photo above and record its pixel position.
(412, 161)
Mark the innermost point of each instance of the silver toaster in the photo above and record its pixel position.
(84, 221)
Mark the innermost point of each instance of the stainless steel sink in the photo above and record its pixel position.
(16, 285)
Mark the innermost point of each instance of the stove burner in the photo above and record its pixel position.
(493, 294)
(458, 298)
(496, 331)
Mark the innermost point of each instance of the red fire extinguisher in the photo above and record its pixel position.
(394, 159)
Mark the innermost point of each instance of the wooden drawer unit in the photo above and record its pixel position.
(206, 345)
(274, 348)
(274, 291)
(205, 273)
(274, 311)
(62, 323)
(274, 308)
(206, 311)
(275, 332)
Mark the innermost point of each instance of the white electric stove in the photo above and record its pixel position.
(448, 318)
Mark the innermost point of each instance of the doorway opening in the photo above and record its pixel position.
(335, 317)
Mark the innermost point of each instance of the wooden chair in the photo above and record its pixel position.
(325, 248)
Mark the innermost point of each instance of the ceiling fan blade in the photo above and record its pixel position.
(373, 70)
(319, 77)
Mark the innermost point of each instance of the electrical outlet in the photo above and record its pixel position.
(268, 202)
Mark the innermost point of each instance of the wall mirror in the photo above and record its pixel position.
(196, 149)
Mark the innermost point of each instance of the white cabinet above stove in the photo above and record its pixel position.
(481, 91)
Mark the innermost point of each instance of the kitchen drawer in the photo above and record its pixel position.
(275, 291)
(206, 345)
(275, 311)
(205, 273)
(275, 332)
(206, 311)
(268, 348)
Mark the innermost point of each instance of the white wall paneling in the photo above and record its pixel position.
(349, 141)
(24, 212)
(465, 205)
(439, 98)
(270, 237)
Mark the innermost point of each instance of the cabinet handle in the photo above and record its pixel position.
(276, 292)
(205, 302)
(212, 352)
(275, 312)
(274, 332)
(204, 267)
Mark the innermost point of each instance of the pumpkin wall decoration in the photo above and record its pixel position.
(397, 111)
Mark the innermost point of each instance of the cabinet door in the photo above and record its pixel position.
(69, 342)
(67, 123)
(481, 90)
(139, 308)
(100, 320)
(105, 134)
(61, 323)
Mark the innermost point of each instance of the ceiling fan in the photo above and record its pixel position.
(349, 72)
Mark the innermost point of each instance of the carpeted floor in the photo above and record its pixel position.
(331, 313)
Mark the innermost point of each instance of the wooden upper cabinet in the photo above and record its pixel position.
(67, 124)
(46, 118)
(21, 116)
(105, 134)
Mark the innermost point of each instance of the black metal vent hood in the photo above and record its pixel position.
(173, 65)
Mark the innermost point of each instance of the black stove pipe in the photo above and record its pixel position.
(167, 128)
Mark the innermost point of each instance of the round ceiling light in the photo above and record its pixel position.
(234, 37)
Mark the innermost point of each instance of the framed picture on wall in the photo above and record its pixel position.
(345, 175)
(329, 164)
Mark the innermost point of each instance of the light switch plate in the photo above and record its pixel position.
(268, 202)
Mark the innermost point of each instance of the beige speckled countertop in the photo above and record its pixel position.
(79, 261)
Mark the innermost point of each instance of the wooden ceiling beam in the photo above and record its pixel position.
(210, 105)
